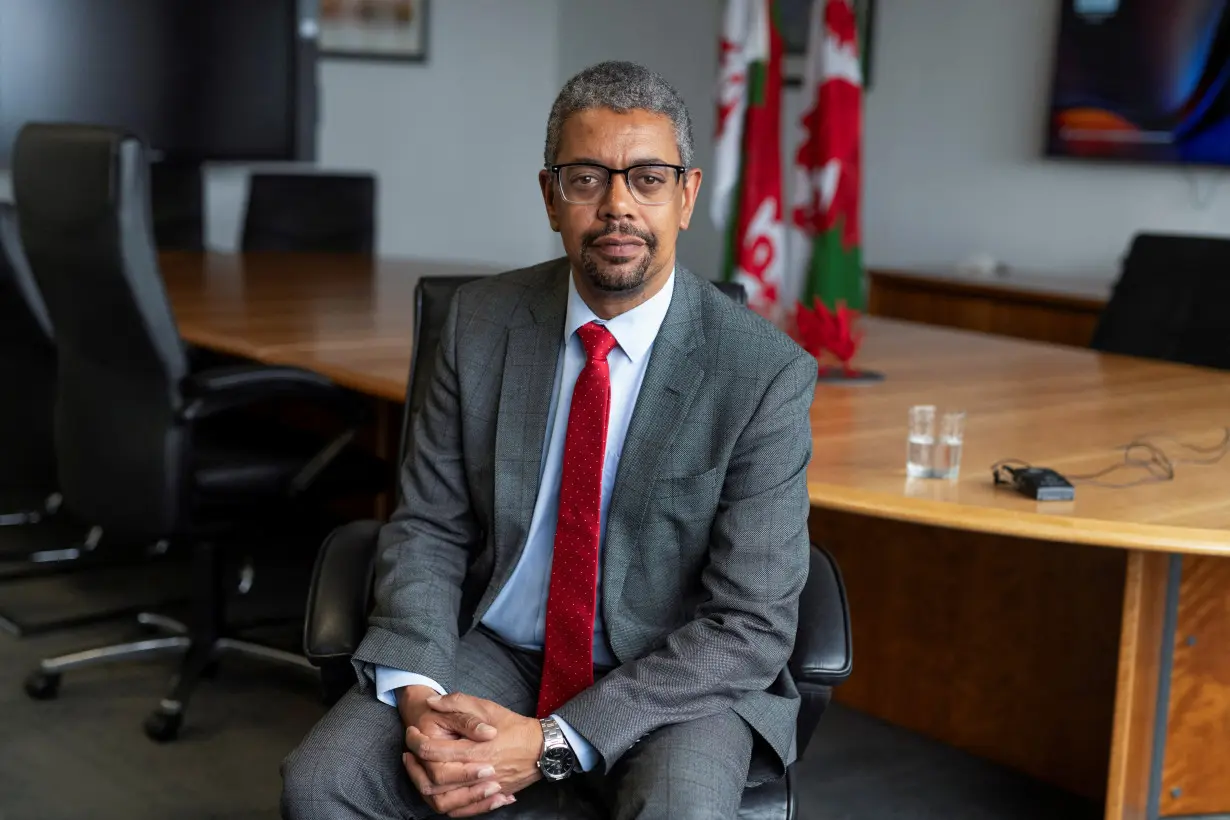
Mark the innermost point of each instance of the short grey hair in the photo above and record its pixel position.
(621, 87)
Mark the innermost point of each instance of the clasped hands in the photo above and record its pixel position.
(466, 755)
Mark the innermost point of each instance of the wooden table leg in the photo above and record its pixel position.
(1133, 759)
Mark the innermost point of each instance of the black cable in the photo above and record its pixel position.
(1217, 450)
(1139, 453)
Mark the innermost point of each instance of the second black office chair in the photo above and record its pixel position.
(1170, 301)
(138, 447)
(310, 213)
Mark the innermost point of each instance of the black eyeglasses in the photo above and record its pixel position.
(583, 183)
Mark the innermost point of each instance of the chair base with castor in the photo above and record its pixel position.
(199, 648)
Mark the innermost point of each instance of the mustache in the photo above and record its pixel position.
(624, 229)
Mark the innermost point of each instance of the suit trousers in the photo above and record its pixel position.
(349, 765)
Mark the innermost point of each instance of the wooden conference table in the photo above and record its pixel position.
(1084, 643)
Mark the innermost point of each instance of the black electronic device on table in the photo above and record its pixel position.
(1039, 483)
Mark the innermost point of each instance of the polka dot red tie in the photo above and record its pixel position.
(568, 654)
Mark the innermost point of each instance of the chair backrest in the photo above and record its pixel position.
(322, 213)
(1170, 301)
(83, 205)
(27, 369)
(734, 290)
(432, 297)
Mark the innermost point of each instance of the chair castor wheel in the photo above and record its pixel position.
(163, 726)
(42, 685)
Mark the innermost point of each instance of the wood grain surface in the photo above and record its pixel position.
(1004, 647)
(349, 317)
(1136, 687)
(1059, 407)
(1196, 770)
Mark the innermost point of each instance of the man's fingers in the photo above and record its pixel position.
(467, 724)
(466, 714)
(451, 798)
(446, 776)
(437, 750)
(479, 798)
(459, 702)
(484, 806)
(418, 775)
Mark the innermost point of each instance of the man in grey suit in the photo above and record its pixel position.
(596, 567)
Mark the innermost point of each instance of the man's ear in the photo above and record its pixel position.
(691, 189)
(545, 180)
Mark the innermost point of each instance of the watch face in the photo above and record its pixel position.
(557, 762)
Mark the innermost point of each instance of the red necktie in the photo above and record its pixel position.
(568, 654)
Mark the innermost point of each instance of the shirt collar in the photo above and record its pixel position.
(634, 330)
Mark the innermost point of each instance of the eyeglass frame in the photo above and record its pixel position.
(611, 173)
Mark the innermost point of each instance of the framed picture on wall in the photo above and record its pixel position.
(795, 20)
(374, 29)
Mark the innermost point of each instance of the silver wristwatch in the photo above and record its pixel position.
(558, 760)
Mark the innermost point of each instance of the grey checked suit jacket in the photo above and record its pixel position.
(706, 546)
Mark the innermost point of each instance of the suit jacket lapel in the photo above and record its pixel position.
(530, 361)
(671, 381)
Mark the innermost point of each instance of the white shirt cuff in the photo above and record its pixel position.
(586, 754)
(388, 681)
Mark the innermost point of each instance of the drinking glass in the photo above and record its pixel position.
(920, 444)
(947, 455)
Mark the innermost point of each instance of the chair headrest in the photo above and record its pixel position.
(67, 174)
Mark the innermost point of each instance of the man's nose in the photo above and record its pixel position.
(618, 202)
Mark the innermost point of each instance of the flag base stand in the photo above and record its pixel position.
(836, 375)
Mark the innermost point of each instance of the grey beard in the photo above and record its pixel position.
(615, 283)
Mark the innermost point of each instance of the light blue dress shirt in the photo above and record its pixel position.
(519, 613)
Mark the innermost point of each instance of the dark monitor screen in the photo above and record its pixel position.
(1142, 80)
(196, 79)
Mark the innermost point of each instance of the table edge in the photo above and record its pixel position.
(1023, 524)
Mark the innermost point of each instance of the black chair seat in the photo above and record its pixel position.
(257, 462)
(226, 470)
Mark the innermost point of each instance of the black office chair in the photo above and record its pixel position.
(1170, 301)
(320, 213)
(139, 447)
(29, 490)
(28, 373)
(339, 598)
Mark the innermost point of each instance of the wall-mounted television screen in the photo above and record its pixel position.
(198, 80)
(1142, 80)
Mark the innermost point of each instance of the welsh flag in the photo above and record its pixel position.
(825, 241)
(747, 202)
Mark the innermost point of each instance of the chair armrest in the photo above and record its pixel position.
(226, 388)
(823, 655)
(340, 592)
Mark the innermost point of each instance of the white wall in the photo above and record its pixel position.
(954, 130)
(456, 142)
